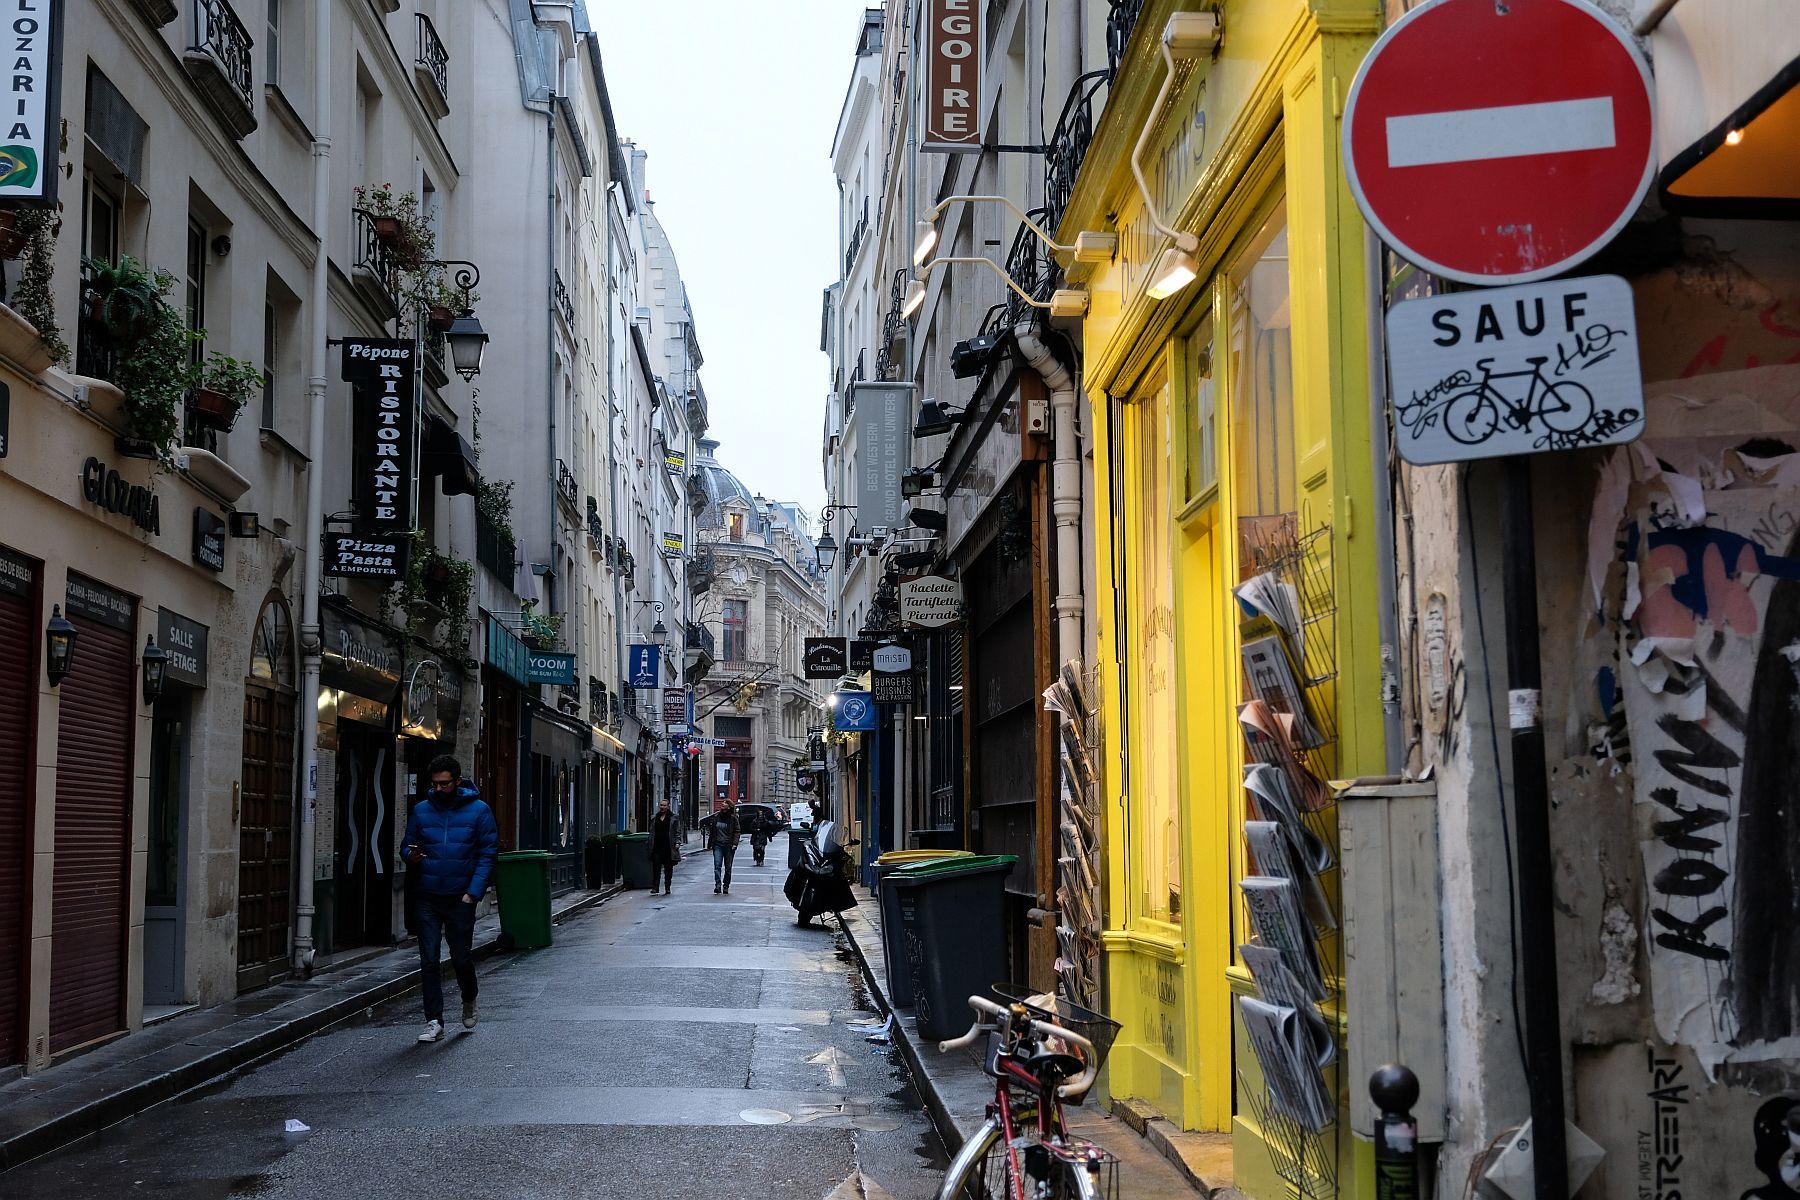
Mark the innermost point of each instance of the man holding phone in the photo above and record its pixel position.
(451, 841)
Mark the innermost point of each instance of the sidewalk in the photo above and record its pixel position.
(957, 1092)
(43, 1112)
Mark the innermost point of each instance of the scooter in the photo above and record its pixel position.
(817, 885)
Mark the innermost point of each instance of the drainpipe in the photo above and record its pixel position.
(621, 788)
(1065, 487)
(311, 643)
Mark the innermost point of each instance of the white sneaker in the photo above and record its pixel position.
(468, 1014)
(434, 1031)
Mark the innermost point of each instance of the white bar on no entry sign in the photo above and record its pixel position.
(1509, 131)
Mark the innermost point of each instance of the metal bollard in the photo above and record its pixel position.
(1395, 1090)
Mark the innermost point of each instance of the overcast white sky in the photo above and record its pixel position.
(736, 104)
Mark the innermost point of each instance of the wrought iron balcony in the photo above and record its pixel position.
(856, 238)
(432, 69)
(702, 570)
(1069, 145)
(219, 61)
(1119, 23)
(596, 701)
(892, 325)
(565, 484)
(495, 551)
(1031, 266)
(377, 267)
(564, 304)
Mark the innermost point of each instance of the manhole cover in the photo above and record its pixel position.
(876, 1124)
(768, 1116)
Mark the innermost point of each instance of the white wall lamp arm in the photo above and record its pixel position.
(1192, 33)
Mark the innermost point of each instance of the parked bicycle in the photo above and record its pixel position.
(1471, 417)
(1043, 1052)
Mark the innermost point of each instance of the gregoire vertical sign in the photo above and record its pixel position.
(29, 142)
(381, 370)
(952, 76)
(882, 440)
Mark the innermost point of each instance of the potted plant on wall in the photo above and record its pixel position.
(222, 386)
(399, 224)
(151, 345)
(31, 299)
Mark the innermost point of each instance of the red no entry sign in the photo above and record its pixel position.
(1500, 141)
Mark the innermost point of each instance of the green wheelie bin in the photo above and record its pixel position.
(522, 880)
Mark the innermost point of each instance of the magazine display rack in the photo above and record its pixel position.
(1078, 840)
(1290, 891)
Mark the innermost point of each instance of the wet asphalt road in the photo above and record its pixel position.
(664, 1047)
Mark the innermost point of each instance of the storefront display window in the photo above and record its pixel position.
(1200, 466)
(1262, 391)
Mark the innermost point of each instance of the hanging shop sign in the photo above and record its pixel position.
(883, 421)
(855, 712)
(862, 655)
(366, 555)
(381, 370)
(644, 666)
(1517, 370)
(432, 701)
(930, 601)
(673, 544)
(97, 602)
(549, 666)
(803, 779)
(675, 709)
(675, 461)
(894, 687)
(359, 658)
(505, 652)
(1500, 143)
(891, 660)
(33, 133)
(104, 486)
(826, 657)
(209, 539)
(952, 76)
(185, 642)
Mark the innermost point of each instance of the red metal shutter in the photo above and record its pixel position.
(18, 697)
(93, 825)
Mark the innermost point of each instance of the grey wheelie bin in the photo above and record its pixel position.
(953, 913)
(634, 859)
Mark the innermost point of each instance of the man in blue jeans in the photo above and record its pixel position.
(722, 836)
(451, 840)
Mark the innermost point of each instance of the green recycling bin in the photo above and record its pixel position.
(522, 880)
(953, 912)
(634, 859)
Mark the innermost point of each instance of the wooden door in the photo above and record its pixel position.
(265, 835)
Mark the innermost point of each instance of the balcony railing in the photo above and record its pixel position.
(596, 701)
(702, 569)
(564, 304)
(891, 324)
(856, 238)
(1069, 145)
(565, 484)
(219, 59)
(433, 62)
(1119, 23)
(1031, 266)
(495, 551)
(377, 263)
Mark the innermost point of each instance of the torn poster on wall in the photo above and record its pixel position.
(1710, 682)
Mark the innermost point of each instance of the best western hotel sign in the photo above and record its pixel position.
(952, 76)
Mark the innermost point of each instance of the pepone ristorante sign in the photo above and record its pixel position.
(381, 371)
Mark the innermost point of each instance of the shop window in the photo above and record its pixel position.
(1262, 391)
(1149, 650)
(1200, 468)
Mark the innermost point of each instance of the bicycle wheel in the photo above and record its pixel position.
(1573, 407)
(1471, 417)
(980, 1170)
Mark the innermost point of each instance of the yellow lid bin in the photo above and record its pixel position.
(903, 857)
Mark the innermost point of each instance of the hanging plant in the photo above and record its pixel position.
(222, 386)
(437, 587)
(152, 347)
(32, 298)
(399, 224)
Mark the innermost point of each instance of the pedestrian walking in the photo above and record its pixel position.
(451, 840)
(665, 849)
(722, 836)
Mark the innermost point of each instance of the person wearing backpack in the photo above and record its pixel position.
(722, 835)
(451, 841)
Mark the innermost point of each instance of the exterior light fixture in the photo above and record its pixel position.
(1064, 302)
(915, 481)
(244, 524)
(59, 646)
(468, 342)
(927, 518)
(659, 633)
(825, 550)
(935, 418)
(1187, 35)
(156, 670)
(1088, 246)
(915, 297)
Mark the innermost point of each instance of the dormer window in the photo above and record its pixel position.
(734, 526)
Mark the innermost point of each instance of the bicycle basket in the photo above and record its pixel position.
(1097, 1028)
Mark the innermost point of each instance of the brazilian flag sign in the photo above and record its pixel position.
(18, 166)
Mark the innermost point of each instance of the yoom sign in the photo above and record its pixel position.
(1518, 370)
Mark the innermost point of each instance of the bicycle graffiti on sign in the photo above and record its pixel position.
(1517, 370)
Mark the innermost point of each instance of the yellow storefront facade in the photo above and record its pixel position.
(1231, 426)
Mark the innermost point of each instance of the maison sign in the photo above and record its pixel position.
(952, 76)
(381, 370)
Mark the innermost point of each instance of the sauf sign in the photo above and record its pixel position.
(381, 370)
(952, 76)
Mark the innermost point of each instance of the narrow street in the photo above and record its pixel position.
(694, 1045)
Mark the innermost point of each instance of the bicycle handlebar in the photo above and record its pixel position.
(1074, 1086)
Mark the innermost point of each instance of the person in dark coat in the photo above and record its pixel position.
(722, 835)
(664, 851)
(451, 841)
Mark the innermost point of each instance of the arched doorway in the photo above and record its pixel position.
(266, 819)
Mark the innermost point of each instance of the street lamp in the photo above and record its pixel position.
(825, 549)
(1088, 246)
(59, 646)
(156, 669)
(468, 342)
(1063, 302)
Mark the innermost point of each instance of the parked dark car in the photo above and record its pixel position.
(753, 817)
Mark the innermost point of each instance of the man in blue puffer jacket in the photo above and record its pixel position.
(451, 840)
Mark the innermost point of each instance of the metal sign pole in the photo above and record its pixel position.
(1531, 824)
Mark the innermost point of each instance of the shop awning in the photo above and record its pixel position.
(451, 457)
(1728, 108)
